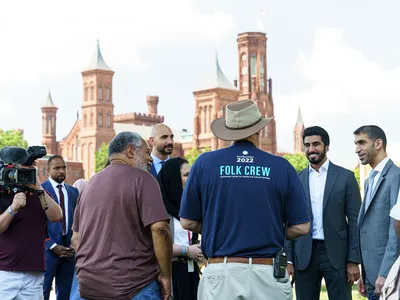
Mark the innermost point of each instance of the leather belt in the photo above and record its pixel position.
(243, 260)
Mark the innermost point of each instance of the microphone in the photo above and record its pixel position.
(13, 155)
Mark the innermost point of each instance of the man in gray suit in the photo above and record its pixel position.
(379, 244)
(330, 250)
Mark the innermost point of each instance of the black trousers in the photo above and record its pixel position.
(308, 281)
(184, 284)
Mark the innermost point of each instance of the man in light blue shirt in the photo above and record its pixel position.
(162, 141)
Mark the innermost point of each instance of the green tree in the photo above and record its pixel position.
(12, 138)
(101, 157)
(357, 174)
(297, 160)
(194, 153)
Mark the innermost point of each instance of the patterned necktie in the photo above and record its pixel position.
(62, 205)
(372, 175)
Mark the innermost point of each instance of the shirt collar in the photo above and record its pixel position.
(156, 160)
(54, 183)
(324, 167)
(381, 165)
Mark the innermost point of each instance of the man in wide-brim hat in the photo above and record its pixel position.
(238, 198)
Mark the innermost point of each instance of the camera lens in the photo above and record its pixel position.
(12, 176)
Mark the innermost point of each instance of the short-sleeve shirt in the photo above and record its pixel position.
(22, 244)
(115, 258)
(243, 196)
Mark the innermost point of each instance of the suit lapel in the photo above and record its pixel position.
(329, 183)
(306, 185)
(49, 188)
(70, 202)
(153, 170)
(362, 208)
(378, 184)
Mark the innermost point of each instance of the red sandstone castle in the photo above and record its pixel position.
(98, 123)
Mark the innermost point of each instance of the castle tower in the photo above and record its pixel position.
(49, 126)
(152, 104)
(298, 133)
(253, 83)
(97, 110)
(210, 102)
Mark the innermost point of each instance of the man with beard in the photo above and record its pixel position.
(59, 255)
(379, 244)
(330, 250)
(121, 231)
(162, 141)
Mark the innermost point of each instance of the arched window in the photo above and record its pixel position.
(100, 92)
(86, 94)
(91, 119)
(84, 120)
(48, 124)
(108, 93)
(100, 120)
(92, 93)
(108, 120)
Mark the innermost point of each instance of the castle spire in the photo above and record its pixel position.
(49, 101)
(98, 62)
(299, 118)
(217, 79)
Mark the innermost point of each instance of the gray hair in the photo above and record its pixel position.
(122, 140)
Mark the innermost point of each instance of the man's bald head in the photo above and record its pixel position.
(162, 140)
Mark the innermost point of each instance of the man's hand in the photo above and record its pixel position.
(380, 281)
(290, 270)
(18, 202)
(63, 252)
(36, 186)
(353, 272)
(361, 288)
(165, 285)
(194, 253)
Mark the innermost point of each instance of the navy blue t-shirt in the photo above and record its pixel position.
(238, 195)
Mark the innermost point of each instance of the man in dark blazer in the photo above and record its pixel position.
(162, 142)
(379, 243)
(330, 250)
(59, 255)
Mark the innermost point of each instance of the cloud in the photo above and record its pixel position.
(343, 90)
(49, 36)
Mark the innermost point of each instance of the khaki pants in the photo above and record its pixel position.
(230, 281)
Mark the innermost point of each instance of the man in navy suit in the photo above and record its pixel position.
(162, 141)
(59, 255)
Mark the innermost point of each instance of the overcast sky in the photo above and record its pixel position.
(338, 60)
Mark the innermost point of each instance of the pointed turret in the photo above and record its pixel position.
(98, 62)
(298, 133)
(299, 118)
(217, 80)
(49, 101)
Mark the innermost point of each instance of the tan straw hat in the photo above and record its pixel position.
(242, 119)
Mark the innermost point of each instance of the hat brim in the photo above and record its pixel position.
(219, 129)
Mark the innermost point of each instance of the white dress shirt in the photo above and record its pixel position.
(181, 236)
(317, 181)
(379, 168)
(157, 162)
(55, 188)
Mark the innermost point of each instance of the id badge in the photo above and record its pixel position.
(190, 265)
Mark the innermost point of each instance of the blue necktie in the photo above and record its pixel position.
(372, 175)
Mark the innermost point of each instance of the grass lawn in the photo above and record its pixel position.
(324, 294)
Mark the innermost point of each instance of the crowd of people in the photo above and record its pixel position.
(143, 226)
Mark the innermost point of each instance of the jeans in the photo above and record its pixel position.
(21, 285)
(149, 292)
(373, 296)
(74, 295)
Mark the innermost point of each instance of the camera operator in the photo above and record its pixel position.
(22, 233)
